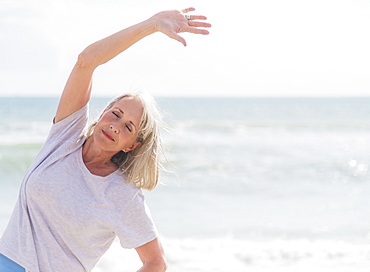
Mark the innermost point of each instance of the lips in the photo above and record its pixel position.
(107, 135)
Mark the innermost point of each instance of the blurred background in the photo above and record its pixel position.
(267, 124)
(256, 48)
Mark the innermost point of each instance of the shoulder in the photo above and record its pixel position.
(71, 126)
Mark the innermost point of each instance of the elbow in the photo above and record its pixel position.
(164, 266)
(85, 60)
(161, 266)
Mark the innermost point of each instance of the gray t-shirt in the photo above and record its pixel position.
(65, 217)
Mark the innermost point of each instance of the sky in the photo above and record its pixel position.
(264, 48)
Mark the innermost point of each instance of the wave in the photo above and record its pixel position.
(229, 254)
(23, 132)
(15, 159)
(235, 126)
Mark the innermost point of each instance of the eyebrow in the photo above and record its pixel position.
(130, 120)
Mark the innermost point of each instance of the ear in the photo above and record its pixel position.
(134, 146)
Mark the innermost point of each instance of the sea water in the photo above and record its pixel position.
(253, 184)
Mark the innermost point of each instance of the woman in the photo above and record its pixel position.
(83, 191)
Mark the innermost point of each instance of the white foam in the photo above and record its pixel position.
(228, 254)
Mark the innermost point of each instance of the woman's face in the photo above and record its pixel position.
(117, 128)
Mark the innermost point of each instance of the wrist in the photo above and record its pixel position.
(152, 24)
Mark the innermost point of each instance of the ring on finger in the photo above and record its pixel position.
(187, 16)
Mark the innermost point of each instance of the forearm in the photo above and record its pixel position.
(78, 87)
(77, 90)
(106, 49)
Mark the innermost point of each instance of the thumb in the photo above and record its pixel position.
(177, 37)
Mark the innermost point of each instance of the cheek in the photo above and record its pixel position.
(104, 120)
(106, 117)
(130, 138)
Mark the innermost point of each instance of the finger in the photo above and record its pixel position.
(196, 30)
(177, 37)
(187, 10)
(199, 24)
(197, 17)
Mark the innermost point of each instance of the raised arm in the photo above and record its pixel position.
(77, 90)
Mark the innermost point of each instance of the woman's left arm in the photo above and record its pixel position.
(152, 256)
(77, 90)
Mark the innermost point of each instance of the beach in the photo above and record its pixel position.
(252, 184)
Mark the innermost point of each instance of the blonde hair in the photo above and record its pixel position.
(142, 164)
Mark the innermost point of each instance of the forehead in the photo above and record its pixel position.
(131, 107)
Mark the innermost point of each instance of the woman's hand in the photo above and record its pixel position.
(173, 22)
(77, 91)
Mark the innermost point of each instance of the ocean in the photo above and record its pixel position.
(252, 184)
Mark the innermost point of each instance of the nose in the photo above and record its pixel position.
(114, 128)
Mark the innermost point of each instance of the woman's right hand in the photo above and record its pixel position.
(172, 22)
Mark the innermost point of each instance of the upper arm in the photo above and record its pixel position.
(77, 91)
(152, 255)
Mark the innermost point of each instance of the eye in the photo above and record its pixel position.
(115, 113)
(129, 128)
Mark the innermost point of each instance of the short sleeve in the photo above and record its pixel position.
(64, 137)
(136, 227)
(71, 127)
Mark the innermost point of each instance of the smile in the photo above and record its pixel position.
(107, 136)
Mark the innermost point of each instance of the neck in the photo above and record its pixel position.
(91, 154)
(96, 160)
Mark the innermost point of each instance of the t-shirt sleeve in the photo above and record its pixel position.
(64, 137)
(136, 227)
(70, 128)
